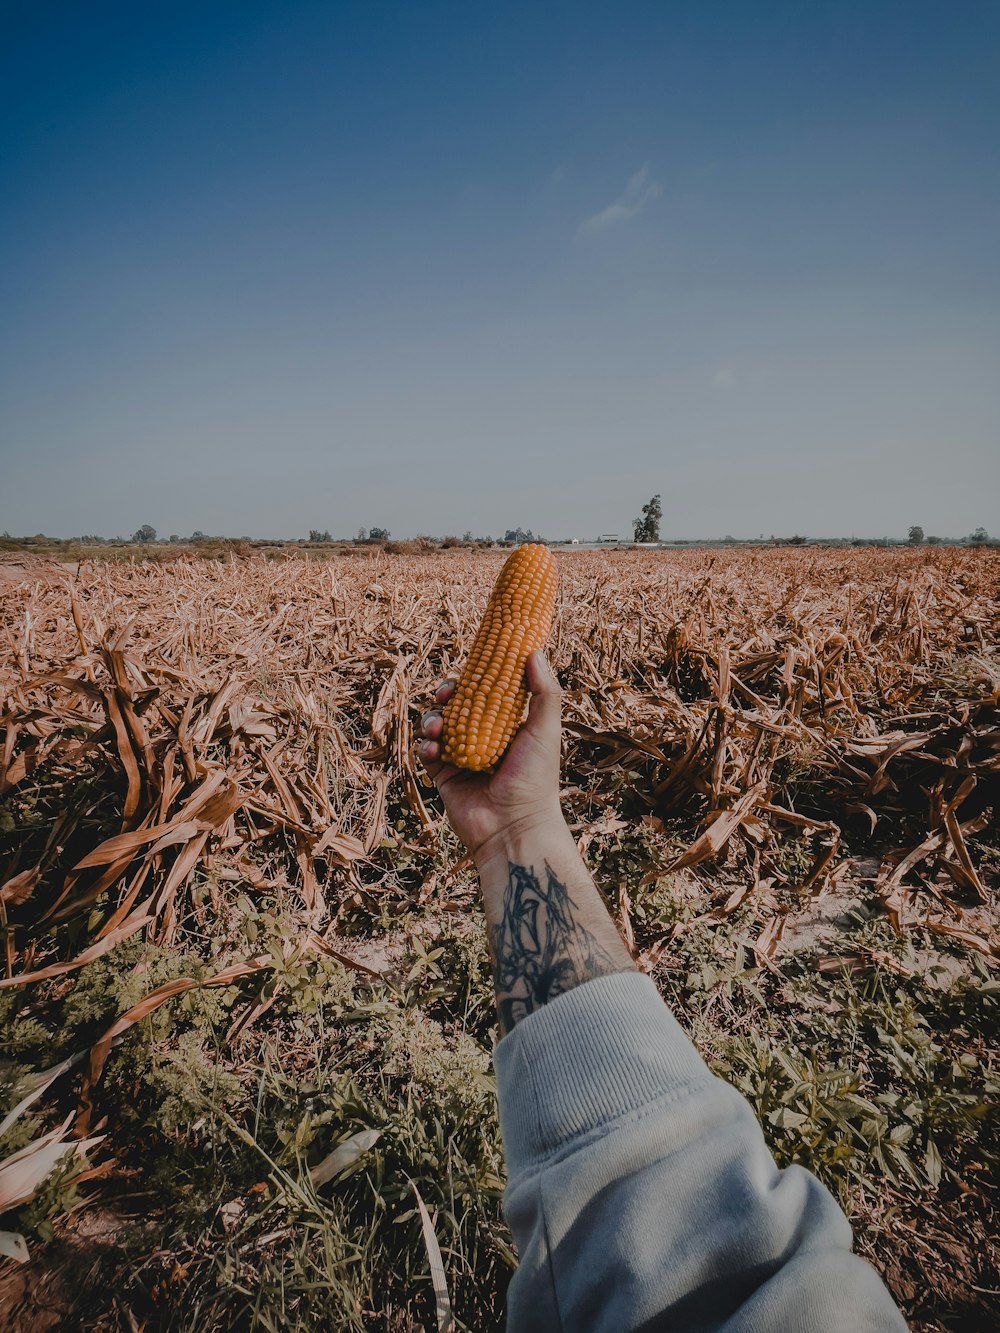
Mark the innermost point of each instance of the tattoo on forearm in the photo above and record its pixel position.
(539, 948)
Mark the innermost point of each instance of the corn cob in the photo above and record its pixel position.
(483, 714)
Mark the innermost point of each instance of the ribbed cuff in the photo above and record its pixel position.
(588, 1057)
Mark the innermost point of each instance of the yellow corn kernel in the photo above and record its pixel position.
(481, 717)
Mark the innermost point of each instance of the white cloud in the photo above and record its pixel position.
(636, 195)
(724, 378)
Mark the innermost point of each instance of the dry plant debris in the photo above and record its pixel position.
(177, 738)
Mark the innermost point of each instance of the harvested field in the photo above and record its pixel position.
(239, 936)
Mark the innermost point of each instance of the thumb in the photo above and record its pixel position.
(545, 709)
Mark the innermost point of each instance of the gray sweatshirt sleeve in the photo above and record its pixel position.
(641, 1192)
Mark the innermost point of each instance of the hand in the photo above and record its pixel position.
(523, 792)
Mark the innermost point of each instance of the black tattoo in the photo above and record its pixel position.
(539, 948)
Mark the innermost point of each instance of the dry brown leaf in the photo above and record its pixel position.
(24, 1172)
(344, 1155)
(127, 928)
(343, 848)
(718, 833)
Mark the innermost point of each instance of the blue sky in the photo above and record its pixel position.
(265, 268)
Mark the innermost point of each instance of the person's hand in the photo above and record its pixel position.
(523, 792)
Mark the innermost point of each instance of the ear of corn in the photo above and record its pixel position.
(483, 714)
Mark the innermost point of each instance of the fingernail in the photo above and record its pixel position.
(427, 717)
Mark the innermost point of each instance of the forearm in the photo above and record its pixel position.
(548, 927)
(641, 1192)
(642, 1195)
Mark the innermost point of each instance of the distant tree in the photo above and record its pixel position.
(933, 541)
(980, 537)
(146, 533)
(647, 528)
(467, 535)
(519, 535)
(316, 536)
(915, 536)
(198, 536)
(379, 534)
(362, 535)
(797, 540)
(174, 538)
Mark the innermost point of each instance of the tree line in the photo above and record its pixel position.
(645, 528)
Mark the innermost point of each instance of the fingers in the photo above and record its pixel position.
(445, 690)
(436, 769)
(545, 709)
(429, 749)
(429, 754)
(431, 727)
(541, 679)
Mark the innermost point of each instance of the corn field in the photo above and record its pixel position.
(782, 766)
